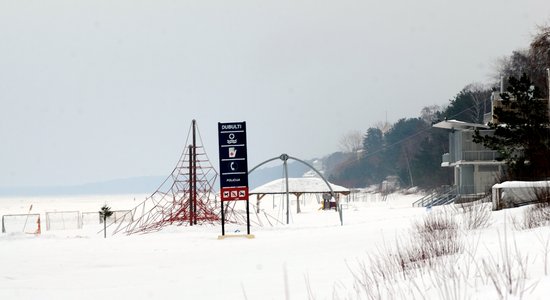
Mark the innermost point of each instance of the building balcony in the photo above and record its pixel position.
(480, 155)
(448, 160)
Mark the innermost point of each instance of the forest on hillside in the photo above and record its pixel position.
(411, 149)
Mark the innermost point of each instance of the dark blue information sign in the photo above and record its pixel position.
(233, 161)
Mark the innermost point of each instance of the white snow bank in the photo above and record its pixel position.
(191, 263)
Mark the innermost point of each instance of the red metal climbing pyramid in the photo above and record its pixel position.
(186, 197)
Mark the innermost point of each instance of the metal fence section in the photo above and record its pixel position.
(27, 223)
(63, 220)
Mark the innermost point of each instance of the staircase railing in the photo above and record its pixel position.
(439, 197)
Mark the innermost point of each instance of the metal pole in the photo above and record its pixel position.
(247, 218)
(297, 203)
(194, 172)
(341, 213)
(190, 185)
(285, 158)
(223, 218)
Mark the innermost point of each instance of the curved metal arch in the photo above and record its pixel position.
(285, 157)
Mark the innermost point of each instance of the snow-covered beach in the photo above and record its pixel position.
(314, 256)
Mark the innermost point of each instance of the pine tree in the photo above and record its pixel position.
(104, 213)
(521, 132)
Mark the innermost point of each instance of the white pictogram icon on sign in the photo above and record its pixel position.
(231, 139)
(232, 152)
(233, 166)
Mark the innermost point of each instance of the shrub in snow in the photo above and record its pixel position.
(433, 242)
(475, 215)
(508, 271)
(537, 215)
(436, 235)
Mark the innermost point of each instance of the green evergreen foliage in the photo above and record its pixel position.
(403, 142)
(373, 158)
(427, 171)
(469, 105)
(373, 141)
(412, 149)
(521, 133)
(104, 213)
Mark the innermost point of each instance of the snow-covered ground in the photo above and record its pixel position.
(312, 257)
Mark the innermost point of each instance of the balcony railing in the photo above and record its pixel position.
(484, 155)
(480, 155)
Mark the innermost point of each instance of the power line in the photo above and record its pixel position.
(419, 132)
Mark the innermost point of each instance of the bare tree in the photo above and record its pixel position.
(480, 95)
(539, 58)
(384, 126)
(430, 114)
(351, 141)
(532, 61)
(513, 65)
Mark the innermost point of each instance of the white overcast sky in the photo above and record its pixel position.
(97, 90)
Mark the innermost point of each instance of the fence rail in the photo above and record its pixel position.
(444, 195)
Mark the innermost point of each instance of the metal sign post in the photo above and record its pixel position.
(233, 166)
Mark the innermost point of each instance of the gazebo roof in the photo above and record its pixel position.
(311, 185)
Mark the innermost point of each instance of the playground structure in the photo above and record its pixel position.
(186, 197)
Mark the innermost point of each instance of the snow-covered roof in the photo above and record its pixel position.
(298, 185)
(522, 184)
(455, 124)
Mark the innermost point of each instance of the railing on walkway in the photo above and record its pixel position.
(442, 196)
